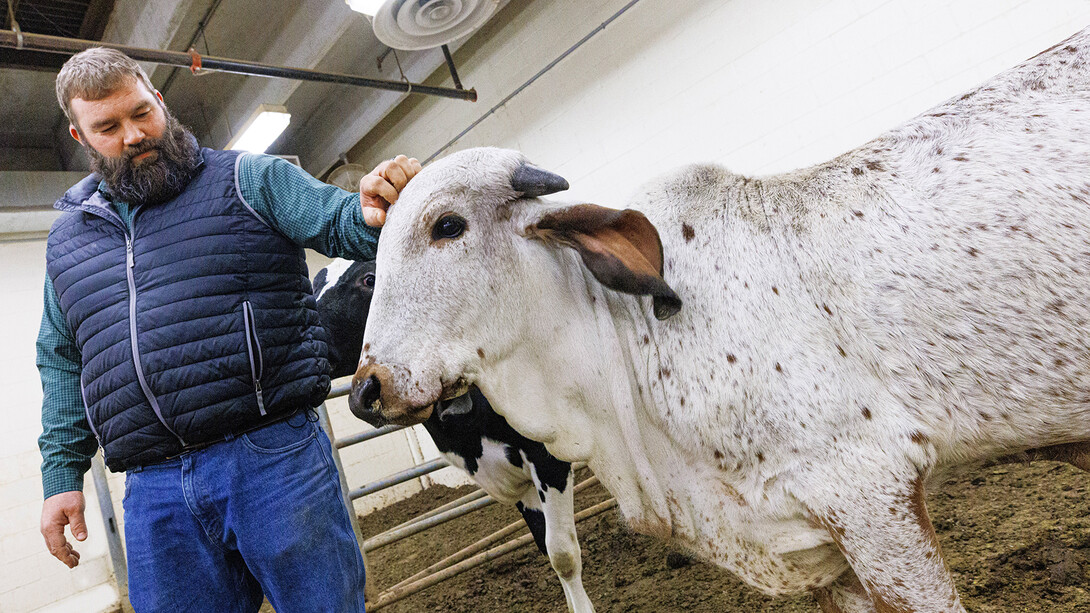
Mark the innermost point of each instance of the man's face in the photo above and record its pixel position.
(142, 153)
(116, 125)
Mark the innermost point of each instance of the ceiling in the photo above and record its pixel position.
(325, 35)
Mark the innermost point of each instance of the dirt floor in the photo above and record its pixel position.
(1016, 537)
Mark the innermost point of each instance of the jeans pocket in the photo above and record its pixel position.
(130, 481)
(280, 437)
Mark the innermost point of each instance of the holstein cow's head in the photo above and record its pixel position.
(343, 292)
(474, 270)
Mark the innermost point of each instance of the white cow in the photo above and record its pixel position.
(802, 351)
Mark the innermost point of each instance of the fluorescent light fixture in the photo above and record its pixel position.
(367, 7)
(263, 127)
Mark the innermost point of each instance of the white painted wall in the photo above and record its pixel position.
(759, 85)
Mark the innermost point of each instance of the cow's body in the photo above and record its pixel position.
(846, 331)
(508, 466)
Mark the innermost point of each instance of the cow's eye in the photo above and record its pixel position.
(369, 279)
(448, 226)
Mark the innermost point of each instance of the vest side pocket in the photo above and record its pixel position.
(253, 350)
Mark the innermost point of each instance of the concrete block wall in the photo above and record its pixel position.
(30, 578)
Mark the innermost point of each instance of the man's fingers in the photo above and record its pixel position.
(375, 186)
(396, 175)
(374, 217)
(78, 525)
(59, 546)
(414, 164)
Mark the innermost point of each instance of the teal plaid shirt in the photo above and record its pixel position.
(321, 217)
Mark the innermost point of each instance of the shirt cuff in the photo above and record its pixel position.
(61, 479)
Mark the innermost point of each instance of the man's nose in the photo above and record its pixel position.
(133, 135)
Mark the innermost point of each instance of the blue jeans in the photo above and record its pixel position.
(212, 530)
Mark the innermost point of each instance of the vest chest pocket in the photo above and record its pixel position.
(253, 349)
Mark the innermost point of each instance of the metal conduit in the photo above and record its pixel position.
(71, 46)
(404, 531)
(393, 536)
(367, 435)
(393, 595)
(401, 477)
(482, 544)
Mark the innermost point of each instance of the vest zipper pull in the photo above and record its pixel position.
(260, 398)
(128, 252)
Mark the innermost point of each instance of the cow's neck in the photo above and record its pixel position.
(601, 402)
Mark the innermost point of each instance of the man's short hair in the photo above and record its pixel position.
(94, 74)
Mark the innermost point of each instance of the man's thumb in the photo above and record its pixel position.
(78, 525)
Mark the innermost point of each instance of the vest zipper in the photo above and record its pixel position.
(129, 264)
(253, 348)
(87, 411)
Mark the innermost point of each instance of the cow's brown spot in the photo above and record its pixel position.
(687, 232)
(775, 290)
(857, 171)
(841, 350)
(918, 437)
(731, 358)
(866, 413)
(778, 367)
(480, 353)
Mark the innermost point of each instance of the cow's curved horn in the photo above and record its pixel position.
(532, 181)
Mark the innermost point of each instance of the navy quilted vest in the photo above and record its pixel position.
(200, 324)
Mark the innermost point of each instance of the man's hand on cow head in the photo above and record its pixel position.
(380, 188)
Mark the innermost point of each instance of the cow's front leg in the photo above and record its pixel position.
(561, 540)
(882, 527)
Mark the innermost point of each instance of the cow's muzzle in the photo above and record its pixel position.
(372, 400)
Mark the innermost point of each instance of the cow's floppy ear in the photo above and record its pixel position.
(531, 181)
(620, 248)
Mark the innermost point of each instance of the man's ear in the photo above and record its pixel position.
(74, 132)
(620, 248)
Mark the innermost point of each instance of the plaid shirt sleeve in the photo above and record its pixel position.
(67, 442)
(315, 215)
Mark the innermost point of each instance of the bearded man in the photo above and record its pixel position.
(180, 335)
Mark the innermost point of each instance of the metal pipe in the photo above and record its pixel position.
(393, 595)
(340, 389)
(396, 534)
(484, 543)
(201, 25)
(450, 65)
(465, 552)
(448, 506)
(58, 44)
(401, 477)
(113, 535)
(366, 436)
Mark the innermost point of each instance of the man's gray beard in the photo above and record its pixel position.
(151, 182)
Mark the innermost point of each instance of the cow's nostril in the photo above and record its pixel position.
(368, 392)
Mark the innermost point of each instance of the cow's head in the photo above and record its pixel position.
(343, 292)
(474, 269)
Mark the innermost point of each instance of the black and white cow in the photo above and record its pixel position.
(508, 466)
